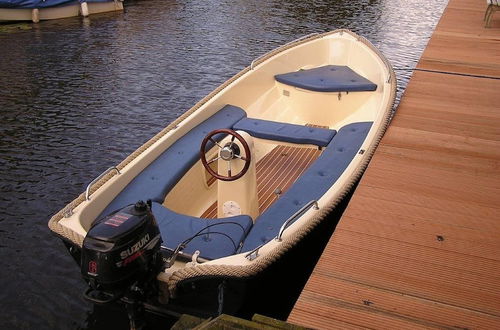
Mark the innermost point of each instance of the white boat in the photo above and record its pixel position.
(39, 10)
(237, 181)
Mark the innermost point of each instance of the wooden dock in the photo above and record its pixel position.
(419, 243)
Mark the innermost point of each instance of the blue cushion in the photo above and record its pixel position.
(22, 4)
(220, 240)
(311, 185)
(328, 78)
(272, 130)
(156, 180)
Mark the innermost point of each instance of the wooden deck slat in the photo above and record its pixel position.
(447, 125)
(445, 143)
(280, 168)
(420, 239)
(429, 169)
(445, 187)
(320, 319)
(372, 298)
(431, 253)
(446, 238)
(422, 224)
(286, 176)
(456, 162)
(431, 203)
(266, 185)
(461, 43)
(424, 280)
(211, 212)
(320, 304)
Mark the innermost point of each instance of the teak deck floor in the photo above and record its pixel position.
(277, 170)
(419, 243)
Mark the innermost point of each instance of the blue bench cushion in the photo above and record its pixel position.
(272, 130)
(328, 78)
(311, 185)
(156, 180)
(220, 240)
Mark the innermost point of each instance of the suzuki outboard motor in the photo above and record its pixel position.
(121, 256)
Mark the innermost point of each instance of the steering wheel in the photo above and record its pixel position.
(227, 152)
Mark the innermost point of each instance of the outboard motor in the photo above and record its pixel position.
(121, 257)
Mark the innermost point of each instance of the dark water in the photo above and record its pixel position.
(77, 96)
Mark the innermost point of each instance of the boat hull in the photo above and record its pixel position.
(353, 114)
(272, 292)
(64, 11)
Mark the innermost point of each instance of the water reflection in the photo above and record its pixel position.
(78, 95)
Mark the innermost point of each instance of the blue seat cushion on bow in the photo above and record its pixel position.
(311, 185)
(157, 179)
(272, 130)
(328, 78)
(220, 240)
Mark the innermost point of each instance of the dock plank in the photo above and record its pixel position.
(363, 317)
(418, 245)
(419, 252)
(430, 281)
(373, 299)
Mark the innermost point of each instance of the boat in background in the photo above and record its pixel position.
(233, 185)
(39, 10)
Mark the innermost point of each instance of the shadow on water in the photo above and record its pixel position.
(78, 95)
(115, 317)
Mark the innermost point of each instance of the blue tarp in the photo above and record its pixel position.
(30, 4)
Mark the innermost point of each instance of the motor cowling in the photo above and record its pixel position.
(122, 248)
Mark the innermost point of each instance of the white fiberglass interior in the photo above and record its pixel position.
(261, 97)
(281, 103)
